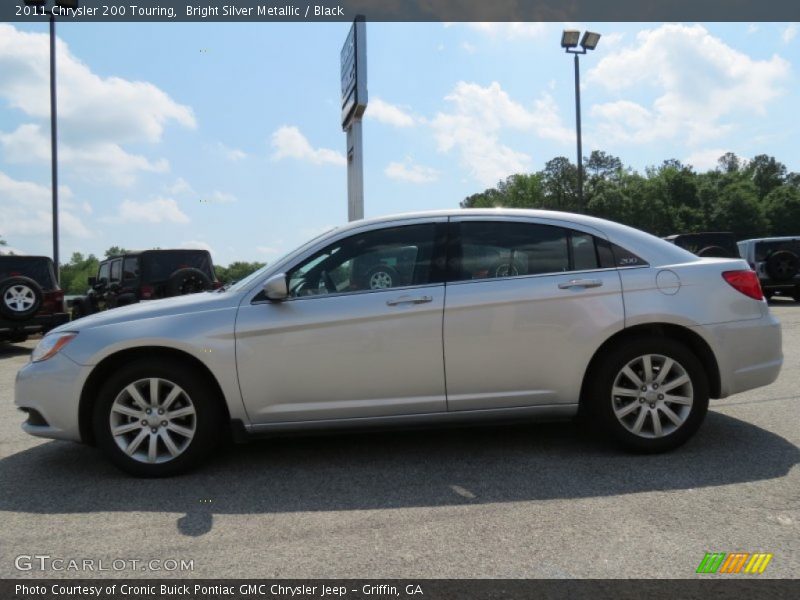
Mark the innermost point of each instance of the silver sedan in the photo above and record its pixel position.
(443, 317)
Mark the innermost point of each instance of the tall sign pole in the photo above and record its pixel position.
(354, 103)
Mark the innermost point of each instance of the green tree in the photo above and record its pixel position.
(560, 183)
(766, 173)
(782, 210)
(738, 210)
(115, 251)
(75, 273)
(236, 270)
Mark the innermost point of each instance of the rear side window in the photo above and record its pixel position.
(584, 253)
(38, 269)
(493, 249)
(104, 271)
(130, 268)
(612, 255)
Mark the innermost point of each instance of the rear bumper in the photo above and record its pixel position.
(749, 353)
(36, 324)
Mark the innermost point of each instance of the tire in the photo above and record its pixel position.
(783, 265)
(20, 298)
(193, 435)
(187, 281)
(381, 277)
(714, 251)
(506, 269)
(609, 374)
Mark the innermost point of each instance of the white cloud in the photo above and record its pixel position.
(468, 48)
(383, 112)
(232, 154)
(410, 172)
(479, 115)
(97, 115)
(789, 33)
(217, 197)
(705, 160)
(289, 142)
(197, 245)
(699, 82)
(27, 210)
(181, 186)
(158, 210)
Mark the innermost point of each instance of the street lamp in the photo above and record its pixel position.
(569, 41)
(53, 117)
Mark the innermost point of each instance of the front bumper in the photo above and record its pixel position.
(50, 392)
(749, 353)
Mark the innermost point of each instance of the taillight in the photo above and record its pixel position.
(146, 292)
(745, 282)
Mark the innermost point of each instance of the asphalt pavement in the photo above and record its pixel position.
(528, 501)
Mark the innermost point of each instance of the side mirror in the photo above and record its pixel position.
(92, 281)
(276, 289)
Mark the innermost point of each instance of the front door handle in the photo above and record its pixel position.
(580, 283)
(409, 300)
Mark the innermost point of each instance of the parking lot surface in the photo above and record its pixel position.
(530, 501)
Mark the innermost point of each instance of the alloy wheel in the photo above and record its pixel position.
(19, 298)
(652, 396)
(153, 420)
(380, 280)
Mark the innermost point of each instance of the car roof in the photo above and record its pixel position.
(140, 252)
(785, 238)
(649, 247)
(26, 256)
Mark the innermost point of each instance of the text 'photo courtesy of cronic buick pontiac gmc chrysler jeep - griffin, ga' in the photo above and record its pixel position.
(427, 318)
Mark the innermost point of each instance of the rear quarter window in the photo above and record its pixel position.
(612, 255)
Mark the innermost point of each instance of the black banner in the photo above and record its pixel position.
(99, 11)
(745, 588)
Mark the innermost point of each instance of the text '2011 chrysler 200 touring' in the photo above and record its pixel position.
(427, 318)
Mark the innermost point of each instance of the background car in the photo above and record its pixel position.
(776, 260)
(495, 315)
(721, 244)
(30, 299)
(146, 275)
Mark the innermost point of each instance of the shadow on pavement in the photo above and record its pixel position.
(7, 350)
(392, 470)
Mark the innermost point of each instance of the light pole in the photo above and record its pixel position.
(569, 41)
(53, 115)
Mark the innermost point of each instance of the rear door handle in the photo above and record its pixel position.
(409, 300)
(580, 283)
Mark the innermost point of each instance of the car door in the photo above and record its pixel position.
(527, 306)
(359, 336)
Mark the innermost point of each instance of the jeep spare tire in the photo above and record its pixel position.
(783, 265)
(20, 298)
(187, 281)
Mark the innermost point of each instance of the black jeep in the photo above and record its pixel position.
(30, 299)
(146, 275)
(711, 244)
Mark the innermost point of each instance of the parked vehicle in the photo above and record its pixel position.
(707, 244)
(776, 260)
(147, 275)
(498, 315)
(30, 299)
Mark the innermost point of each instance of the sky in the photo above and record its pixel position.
(228, 136)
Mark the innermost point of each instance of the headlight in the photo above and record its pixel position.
(51, 345)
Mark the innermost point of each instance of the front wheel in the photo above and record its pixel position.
(156, 418)
(650, 395)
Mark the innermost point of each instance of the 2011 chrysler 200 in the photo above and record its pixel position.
(422, 318)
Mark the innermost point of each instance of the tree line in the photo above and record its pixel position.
(751, 198)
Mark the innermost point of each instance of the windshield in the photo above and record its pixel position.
(247, 281)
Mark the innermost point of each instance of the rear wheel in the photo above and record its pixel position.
(650, 395)
(155, 418)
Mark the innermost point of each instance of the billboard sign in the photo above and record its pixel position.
(354, 72)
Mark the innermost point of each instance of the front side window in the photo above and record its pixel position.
(503, 249)
(374, 260)
(103, 272)
(116, 270)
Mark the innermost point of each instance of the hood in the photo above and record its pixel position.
(149, 309)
